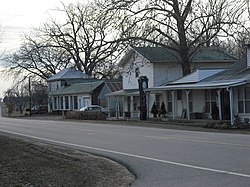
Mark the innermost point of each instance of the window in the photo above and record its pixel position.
(247, 99)
(169, 104)
(244, 100)
(55, 103)
(75, 102)
(135, 106)
(49, 87)
(190, 96)
(61, 99)
(241, 100)
(157, 100)
(179, 95)
(66, 102)
(210, 100)
(137, 72)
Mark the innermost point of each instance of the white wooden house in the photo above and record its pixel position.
(71, 89)
(161, 66)
(194, 95)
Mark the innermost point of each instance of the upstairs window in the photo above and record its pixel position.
(137, 72)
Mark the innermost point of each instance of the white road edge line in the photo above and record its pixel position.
(130, 155)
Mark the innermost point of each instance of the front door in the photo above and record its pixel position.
(179, 103)
(225, 104)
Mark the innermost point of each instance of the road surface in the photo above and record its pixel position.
(158, 157)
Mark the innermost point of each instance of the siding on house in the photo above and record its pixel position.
(162, 66)
(166, 72)
(130, 80)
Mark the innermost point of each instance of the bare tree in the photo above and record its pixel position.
(87, 39)
(36, 59)
(17, 98)
(87, 35)
(182, 26)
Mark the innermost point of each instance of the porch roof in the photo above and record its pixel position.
(133, 92)
(202, 85)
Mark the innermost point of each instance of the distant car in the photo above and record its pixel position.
(94, 108)
(95, 111)
(39, 109)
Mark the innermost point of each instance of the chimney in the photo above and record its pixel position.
(248, 55)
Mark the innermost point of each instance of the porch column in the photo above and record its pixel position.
(69, 102)
(109, 107)
(231, 97)
(219, 103)
(148, 109)
(173, 102)
(123, 105)
(117, 107)
(64, 102)
(188, 112)
(131, 106)
(57, 103)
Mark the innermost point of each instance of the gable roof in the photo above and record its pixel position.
(79, 88)
(160, 54)
(212, 54)
(68, 73)
(114, 85)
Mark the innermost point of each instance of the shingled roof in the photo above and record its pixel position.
(79, 88)
(114, 85)
(68, 73)
(164, 55)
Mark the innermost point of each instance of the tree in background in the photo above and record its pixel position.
(92, 36)
(86, 39)
(26, 95)
(17, 99)
(182, 26)
(35, 59)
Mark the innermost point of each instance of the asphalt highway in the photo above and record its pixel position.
(158, 157)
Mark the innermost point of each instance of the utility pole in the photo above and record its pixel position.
(30, 95)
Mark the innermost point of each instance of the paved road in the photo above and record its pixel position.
(159, 157)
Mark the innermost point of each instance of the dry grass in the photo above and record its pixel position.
(24, 163)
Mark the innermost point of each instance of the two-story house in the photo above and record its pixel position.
(161, 66)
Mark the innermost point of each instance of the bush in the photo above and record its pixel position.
(82, 115)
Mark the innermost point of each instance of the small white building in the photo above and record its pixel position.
(161, 66)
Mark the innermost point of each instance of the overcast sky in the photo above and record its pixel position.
(19, 16)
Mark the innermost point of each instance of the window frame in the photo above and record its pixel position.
(243, 99)
(210, 99)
